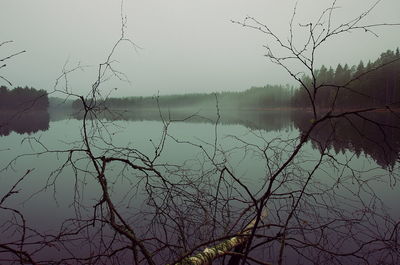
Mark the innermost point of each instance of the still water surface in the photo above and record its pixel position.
(49, 196)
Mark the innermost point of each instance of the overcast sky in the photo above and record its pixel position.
(186, 46)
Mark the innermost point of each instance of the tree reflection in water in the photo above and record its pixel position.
(23, 122)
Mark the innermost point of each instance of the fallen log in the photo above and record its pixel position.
(209, 254)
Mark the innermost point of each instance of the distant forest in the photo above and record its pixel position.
(256, 97)
(21, 98)
(372, 84)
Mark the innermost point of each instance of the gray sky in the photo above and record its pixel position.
(187, 46)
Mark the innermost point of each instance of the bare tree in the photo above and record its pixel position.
(6, 58)
(297, 53)
(303, 209)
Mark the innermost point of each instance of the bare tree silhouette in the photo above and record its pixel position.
(303, 209)
(6, 58)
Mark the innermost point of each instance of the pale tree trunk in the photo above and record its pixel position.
(209, 254)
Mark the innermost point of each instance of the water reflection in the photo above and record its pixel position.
(374, 134)
(259, 120)
(23, 122)
(150, 207)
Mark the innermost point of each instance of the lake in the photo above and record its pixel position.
(193, 180)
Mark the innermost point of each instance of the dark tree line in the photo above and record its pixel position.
(375, 84)
(21, 98)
